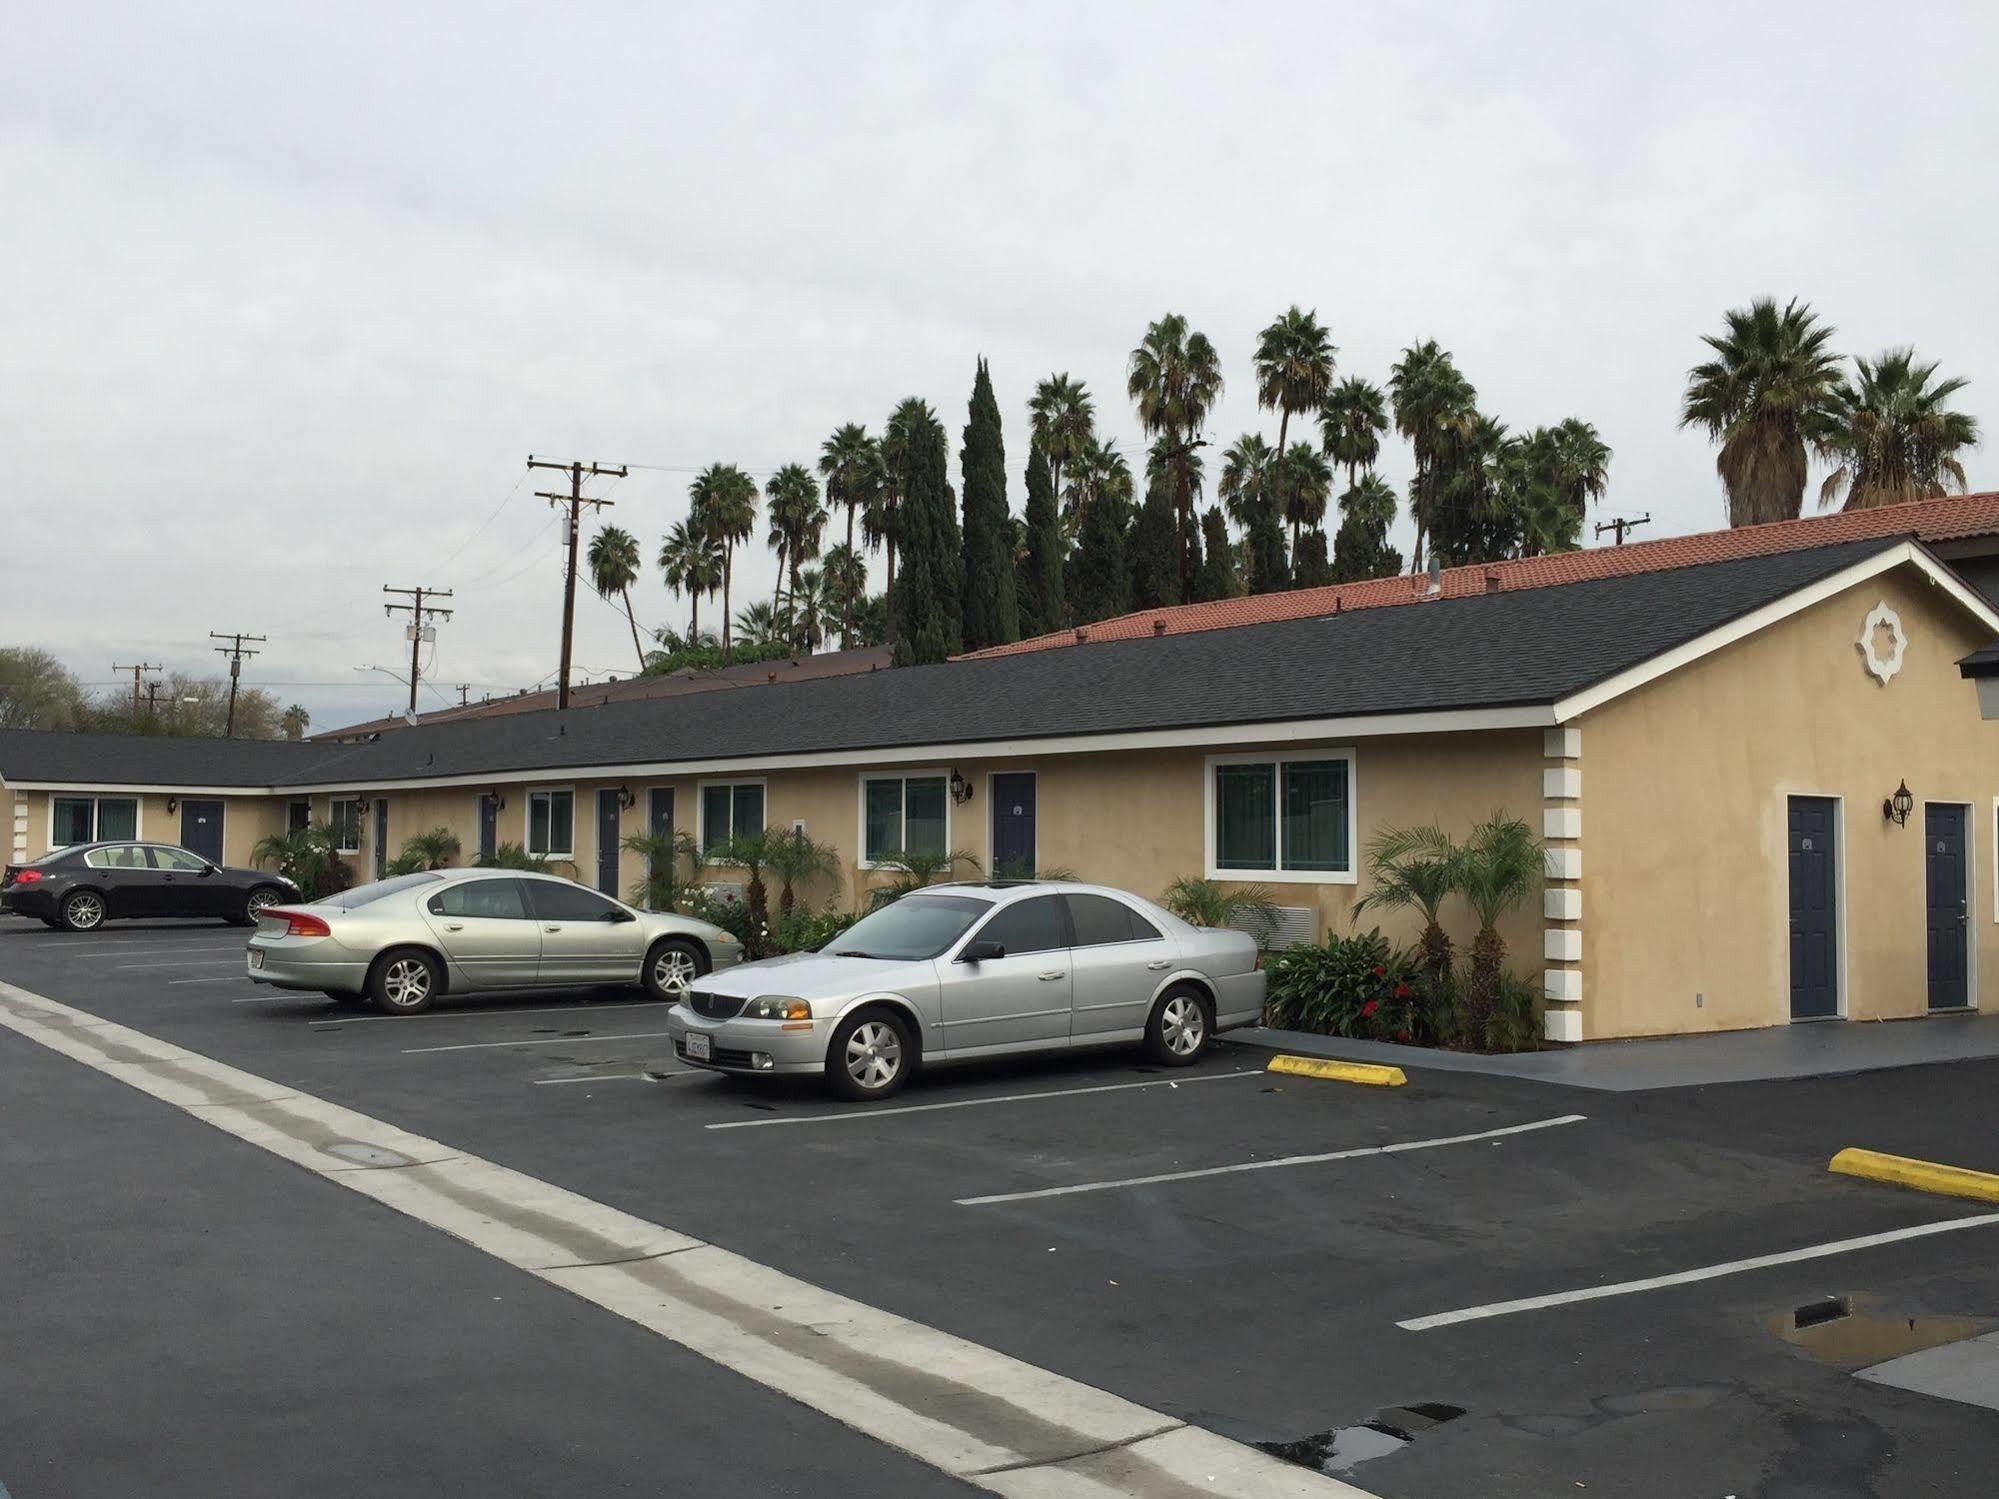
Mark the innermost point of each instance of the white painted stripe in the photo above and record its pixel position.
(414, 1051)
(235, 962)
(1001, 1424)
(1358, 1153)
(582, 1007)
(1689, 1277)
(609, 1077)
(844, 1116)
(126, 950)
(234, 978)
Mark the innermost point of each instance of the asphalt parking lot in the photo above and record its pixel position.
(1267, 1257)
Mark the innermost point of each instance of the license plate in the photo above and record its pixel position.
(698, 1049)
(256, 958)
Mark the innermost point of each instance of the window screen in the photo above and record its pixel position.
(1315, 814)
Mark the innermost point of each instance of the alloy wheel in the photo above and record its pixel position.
(1184, 1025)
(259, 902)
(874, 1054)
(407, 982)
(674, 971)
(83, 911)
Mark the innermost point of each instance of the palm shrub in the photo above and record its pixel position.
(796, 859)
(1497, 869)
(1416, 869)
(914, 868)
(514, 856)
(309, 857)
(672, 866)
(434, 849)
(751, 853)
(1205, 903)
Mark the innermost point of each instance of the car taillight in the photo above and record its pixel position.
(297, 923)
(25, 876)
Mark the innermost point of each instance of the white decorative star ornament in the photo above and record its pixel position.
(1880, 618)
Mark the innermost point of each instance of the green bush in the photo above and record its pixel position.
(1353, 986)
(732, 916)
(514, 856)
(800, 930)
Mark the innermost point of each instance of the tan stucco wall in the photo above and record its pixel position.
(1685, 862)
(245, 820)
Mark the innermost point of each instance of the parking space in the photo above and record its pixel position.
(1269, 1256)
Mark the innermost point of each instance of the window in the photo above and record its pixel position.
(917, 926)
(1034, 925)
(904, 812)
(92, 819)
(346, 816)
(552, 823)
(1100, 921)
(298, 816)
(730, 809)
(178, 860)
(558, 900)
(363, 895)
(1283, 818)
(118, 856)
(498, 900)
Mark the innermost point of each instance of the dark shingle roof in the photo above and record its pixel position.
(149, 760)
(1485, 651)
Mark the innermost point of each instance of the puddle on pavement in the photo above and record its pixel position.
(1345, 1448)
(1852, 1330)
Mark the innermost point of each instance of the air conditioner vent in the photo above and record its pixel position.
(1286, 927)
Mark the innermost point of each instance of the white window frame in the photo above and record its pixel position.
(96, 815)
(333, 817)
(701, 808)
(1278, 759)
(927, 773)
(527, 823)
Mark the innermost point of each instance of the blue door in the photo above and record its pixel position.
(201, 829)
(610, 803)
(489, 827)
(1948, 905)
(381, 836)
(1814, 909)
(1013, 825)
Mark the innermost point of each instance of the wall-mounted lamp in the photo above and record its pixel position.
(173, 806)
(961, 789)
(1896, 809)
(625, 799)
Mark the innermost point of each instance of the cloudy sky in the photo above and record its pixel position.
(290, 292)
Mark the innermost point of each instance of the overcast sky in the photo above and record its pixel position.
(288, 293)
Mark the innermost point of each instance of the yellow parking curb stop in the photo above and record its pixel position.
(1339, 1072)
(1924, 1176)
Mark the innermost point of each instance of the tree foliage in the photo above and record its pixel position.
(926, 601)
(991, 612)
(1039, 594)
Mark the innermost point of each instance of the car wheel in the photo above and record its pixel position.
(404, 982)
(83, 911)
(671, 968)
(255, 903)
(871, 1055)
(1180, 1028)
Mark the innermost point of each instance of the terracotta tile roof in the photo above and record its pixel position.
(1953, 517)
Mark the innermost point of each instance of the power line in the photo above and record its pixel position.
(235, 652)
(419, 626)
(575, 500)
(143, 666)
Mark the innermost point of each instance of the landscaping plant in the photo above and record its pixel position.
(1416, 869)
(308, 857)
(798, 860)
(1498, 868)
(914, 868)
(513, 856)
(432, 850)
(672, 866)
(1205, 903)
(1352, 986)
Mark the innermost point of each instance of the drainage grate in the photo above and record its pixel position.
(1345, 1448)
(1818, 1313)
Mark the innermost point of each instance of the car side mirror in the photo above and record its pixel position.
(208, 869)
(614, 915)
(979, 952)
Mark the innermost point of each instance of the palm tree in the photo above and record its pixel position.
(1175, 376)
(916, 867)
(1205, 903)
(850, 463)
(1351, 423)
(798, 860)
(808, 609)
(308, 857)
(1434, 409)
(725, 507)
(1098, 475)
(1361, 549)
(758, 628)
(1891, 436)
(666, 854)
(1064, 421)
(1306, 485)
(1768, 392)
(797, 520)
(614, 567)
(1498, 868)
(844, 588)
(882, 525)
(1246, 485)
(1294, 368)
(295, 721)
(1415, 869)
(691, 560)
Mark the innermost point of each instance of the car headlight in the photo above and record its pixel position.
(778, 1007)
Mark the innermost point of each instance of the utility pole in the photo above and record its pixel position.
(1621, 525)
(464, 694)
(143, 666)
(419, 612)
(235, 652)
(575, 501)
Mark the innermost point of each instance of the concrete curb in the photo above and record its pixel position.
(1334, 1071)
(1922, 1176)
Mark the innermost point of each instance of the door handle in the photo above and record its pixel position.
(454, 926)
(1158, 964)
(1050, 977)
(551, 929)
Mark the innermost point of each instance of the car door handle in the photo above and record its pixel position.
(454, 926)
(551, 929)
(1052, 975)
(1156, 966)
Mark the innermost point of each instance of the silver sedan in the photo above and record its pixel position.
(402, 942)
(975, 970)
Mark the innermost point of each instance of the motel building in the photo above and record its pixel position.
(1758, 759)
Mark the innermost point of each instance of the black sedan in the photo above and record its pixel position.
(82, 887)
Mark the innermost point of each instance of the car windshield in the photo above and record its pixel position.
(917, 926)
(361, 895)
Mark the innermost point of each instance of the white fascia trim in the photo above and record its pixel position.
(131, 788)
(1907, 553)
(1535, 716)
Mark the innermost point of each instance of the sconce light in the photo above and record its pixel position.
(499, 801)
(173, 805)
(625, 799)
(961, 789)
(1896, 808)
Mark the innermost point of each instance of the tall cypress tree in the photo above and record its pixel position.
(1099, 585)
(1217, 578)
(1040, 593)
(1269, 571)
(1155, 552)
(991, 613)
(929, 589)
(1311, 568)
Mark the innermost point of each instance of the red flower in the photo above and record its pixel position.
(1367, 1010)
(1402, 1035)
(1379, 971)
(1401, 991)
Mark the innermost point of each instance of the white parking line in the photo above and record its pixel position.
(609, 1077)
(973, 1103)
(230, 979)
(412, 1051)
(580, 1008)
(235, 962)
(1689, 1277)
(125, 951)
(1355, 1154)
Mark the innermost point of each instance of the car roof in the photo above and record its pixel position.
(1012, 890)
